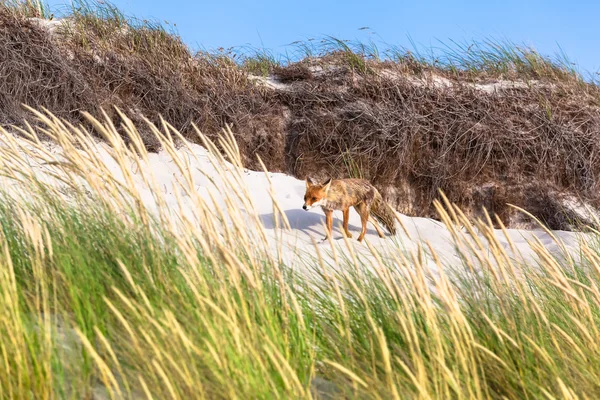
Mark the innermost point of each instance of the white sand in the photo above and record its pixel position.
(306, 226)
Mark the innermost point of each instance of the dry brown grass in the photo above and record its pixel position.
(419, 137)
(98, 60)
(412, 126)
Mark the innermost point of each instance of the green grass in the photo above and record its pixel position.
(131, 284)
(174, 322)
(30, 8)
(99, 297)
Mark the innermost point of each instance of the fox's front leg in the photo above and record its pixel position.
(329, 223)
(346, 215)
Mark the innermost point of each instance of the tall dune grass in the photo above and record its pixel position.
(99, 296)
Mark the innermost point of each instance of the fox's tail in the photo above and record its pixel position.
(384, 213)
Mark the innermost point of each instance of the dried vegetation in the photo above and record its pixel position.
(488, 124)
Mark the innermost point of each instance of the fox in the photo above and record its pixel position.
(341, 194)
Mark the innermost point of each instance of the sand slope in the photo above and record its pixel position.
(306, 227)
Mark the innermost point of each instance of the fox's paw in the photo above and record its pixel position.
(349, 235)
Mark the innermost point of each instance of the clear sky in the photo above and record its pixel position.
(546, 25)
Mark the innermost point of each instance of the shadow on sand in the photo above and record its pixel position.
(312, 222)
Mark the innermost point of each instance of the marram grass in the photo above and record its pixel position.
(101, 298)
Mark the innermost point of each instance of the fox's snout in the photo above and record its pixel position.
(304, 207)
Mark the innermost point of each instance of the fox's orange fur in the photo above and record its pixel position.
(341, 194)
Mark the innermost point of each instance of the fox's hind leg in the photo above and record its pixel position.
(377, 228)
(346, 215)
(363, 211)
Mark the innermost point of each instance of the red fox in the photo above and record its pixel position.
(341, 194)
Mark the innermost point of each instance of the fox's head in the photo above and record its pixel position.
(315, 193)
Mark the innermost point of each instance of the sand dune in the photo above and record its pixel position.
(307, 227)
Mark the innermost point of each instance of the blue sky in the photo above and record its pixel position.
(545, 25)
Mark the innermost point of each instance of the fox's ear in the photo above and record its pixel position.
(309, 181)
(327, 184)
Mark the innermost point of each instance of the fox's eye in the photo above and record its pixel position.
(314, 199)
